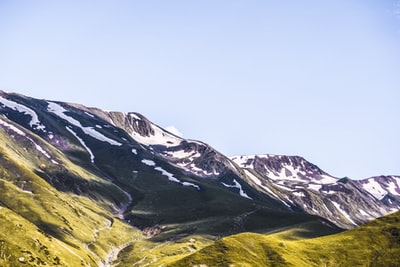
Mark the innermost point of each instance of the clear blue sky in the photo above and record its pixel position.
(319, 79)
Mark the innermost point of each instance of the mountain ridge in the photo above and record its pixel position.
(133, 175)
(278, 173)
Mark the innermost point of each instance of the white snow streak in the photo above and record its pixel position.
(89, 114)
(40, 149)
(170, 176)
(34, 123)
(183, 154)
(345, 214)
(366, 215)
(259, 183)
(19, 132)
(82, 143)
(148, 162)
(59, 111)
(12, 127)
(133, 115)
(238, 186)
(174, 179)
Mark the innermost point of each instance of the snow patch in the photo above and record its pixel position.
(243, 161)
(40, 149)
(374, 188)
(238, 186)
(136, 117)
(299, 194)
(60, 111)
(82, 143)
(170, 176)
(392, 188)
(315, 187)
(134, 151)
(160, 137)
(363, 213)
(89, 114)
(181, 154)
(190, 184)
(34, 123)
(345, 214)
(259, 183)
(326, 179)
(21, 133)
(148, 162)
(12, 128)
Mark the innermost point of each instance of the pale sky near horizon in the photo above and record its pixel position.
(318, 79)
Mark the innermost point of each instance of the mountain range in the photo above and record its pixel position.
(81, 186)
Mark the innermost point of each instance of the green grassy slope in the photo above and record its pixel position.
(41, 225)
(374, 244)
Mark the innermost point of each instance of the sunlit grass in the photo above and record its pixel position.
(374, 244)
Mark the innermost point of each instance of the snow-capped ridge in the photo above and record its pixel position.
(298, 183)
(279, 167)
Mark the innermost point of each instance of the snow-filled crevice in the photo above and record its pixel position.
(170, 176)
(238, 186)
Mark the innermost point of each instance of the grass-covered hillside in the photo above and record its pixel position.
(376, 243)
(43, 226)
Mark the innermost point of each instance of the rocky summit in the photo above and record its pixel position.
(81, 186)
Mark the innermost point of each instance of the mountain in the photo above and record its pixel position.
(82, 186)
(300, 184)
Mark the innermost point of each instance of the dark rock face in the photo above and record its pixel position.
(132, 122)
